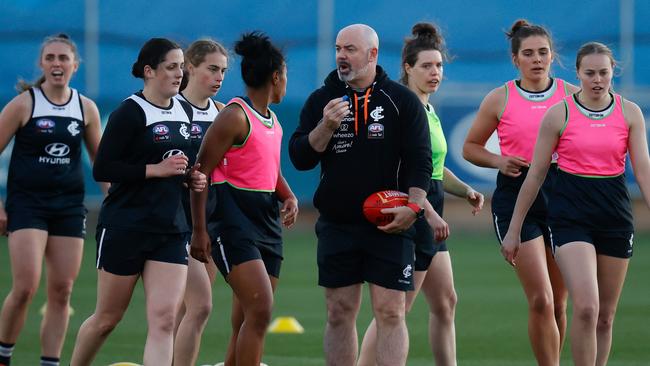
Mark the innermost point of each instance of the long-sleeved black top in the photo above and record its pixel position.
(383, 146)
(139, 133)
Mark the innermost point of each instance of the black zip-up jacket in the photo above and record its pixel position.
(383, 146)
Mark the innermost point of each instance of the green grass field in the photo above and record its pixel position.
(490, 322)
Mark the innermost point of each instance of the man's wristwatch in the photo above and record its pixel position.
(419, 211)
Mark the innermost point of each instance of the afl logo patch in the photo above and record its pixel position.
(45, 125)
(172, 152)
(161, 133)
(57, 149)
(160, 130)
(196, 129)
(375, 131)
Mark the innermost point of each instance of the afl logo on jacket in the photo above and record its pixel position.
(375, 131)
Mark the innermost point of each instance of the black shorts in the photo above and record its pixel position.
(228, 253)
(612, 244)
(425, 246)
(596, 204)
(532, 227)
(71, 224)
(593, 210)
(124, 252)
(349, 254)
(503, 204)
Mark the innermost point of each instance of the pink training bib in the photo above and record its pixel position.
(593, 143)
(255, 164)
(519, 123)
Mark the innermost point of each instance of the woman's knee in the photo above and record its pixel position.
(59, 293)
(259, 316)
(105, 323)
(605, 319)
(559, 308)
(200, 311)
(162, 319)
(23, 293)
(586, 313)
(541, 303)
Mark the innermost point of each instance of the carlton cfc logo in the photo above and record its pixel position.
(160, 130)
(376, 113)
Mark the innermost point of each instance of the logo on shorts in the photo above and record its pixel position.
(629, 250)
(408, 271)
(172, 152)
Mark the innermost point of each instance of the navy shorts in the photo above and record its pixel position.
(612, 244)
(533, 227)
(503, 204)
(56, 224)
(228, 253)
(350, 254)
(593, 210)
(124, 252)
(425, 245)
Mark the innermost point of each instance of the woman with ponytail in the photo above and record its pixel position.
(45, 215)
(142, 231)
(515, 112)
(590, 213)
(206, 62)
(241, 150)
(423, 56)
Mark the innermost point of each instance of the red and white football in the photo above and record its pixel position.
(377, 201)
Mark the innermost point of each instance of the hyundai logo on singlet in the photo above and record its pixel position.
(57, 149)
(160, 130)
(173, 152)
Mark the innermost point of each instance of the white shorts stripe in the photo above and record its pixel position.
(101, 243)
(496, 225)
(550, 236)
(223, 256)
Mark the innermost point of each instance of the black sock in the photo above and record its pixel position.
(49, 361)
(6, 349)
